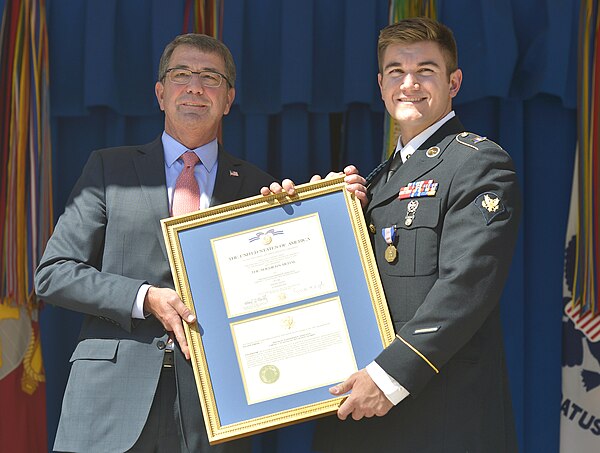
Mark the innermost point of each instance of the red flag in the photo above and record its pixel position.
(26, 220)
(22, 383)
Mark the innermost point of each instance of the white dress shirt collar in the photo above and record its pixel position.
(413, 145)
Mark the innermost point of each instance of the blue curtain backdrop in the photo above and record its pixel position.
(305, 69)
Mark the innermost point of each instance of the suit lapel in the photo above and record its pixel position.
(418, 164)
(230, 177)
(150, 167)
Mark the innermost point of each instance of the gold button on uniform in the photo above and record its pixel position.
(372, 229)
(433, 151)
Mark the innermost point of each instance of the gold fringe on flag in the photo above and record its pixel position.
(205, 16)
(586, 283)
(26, 210)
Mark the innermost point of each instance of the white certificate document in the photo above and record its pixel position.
(293, 350)
(273, 265)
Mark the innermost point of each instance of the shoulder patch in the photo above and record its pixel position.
(490, 205)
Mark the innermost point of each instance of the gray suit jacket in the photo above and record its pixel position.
(443, 292)
(105, 246)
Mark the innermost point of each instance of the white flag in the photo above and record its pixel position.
(580, 407)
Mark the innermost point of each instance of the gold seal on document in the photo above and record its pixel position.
(267, 239)
(391, 253)
(269, 374)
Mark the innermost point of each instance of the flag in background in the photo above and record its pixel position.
(204, 16)
(580, 407)
(25, 221)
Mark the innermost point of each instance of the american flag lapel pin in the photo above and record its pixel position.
(233, 173)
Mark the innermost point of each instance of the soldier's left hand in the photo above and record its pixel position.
(366, 399)
(354, 184)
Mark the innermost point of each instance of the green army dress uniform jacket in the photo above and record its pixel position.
(443, 291)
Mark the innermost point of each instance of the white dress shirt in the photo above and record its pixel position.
(206, 175)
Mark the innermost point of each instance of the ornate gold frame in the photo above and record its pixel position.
(174, 225)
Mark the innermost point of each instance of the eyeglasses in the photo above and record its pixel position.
(208, 78)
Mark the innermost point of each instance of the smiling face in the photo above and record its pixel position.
(416, 87)
(193, 112)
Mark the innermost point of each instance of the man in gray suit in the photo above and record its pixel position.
(443, 214)
(131, 387)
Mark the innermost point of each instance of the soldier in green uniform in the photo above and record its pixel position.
(443, 215)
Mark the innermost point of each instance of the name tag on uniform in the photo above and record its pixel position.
(427, 188)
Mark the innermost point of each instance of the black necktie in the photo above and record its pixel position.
(394, 165)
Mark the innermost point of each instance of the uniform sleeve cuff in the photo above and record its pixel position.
(391, 388)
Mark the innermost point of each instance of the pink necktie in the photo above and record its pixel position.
(186, 197)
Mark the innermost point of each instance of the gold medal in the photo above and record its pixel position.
(391, 253)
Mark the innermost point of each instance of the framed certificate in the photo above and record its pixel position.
(288, 303)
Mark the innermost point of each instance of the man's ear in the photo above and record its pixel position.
(159, 90)
(230, 98)
(455, 82)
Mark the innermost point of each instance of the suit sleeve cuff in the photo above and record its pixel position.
(391, 388)
(137, 311)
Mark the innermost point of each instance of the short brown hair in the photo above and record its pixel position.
(418, 29)
(204, 43)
